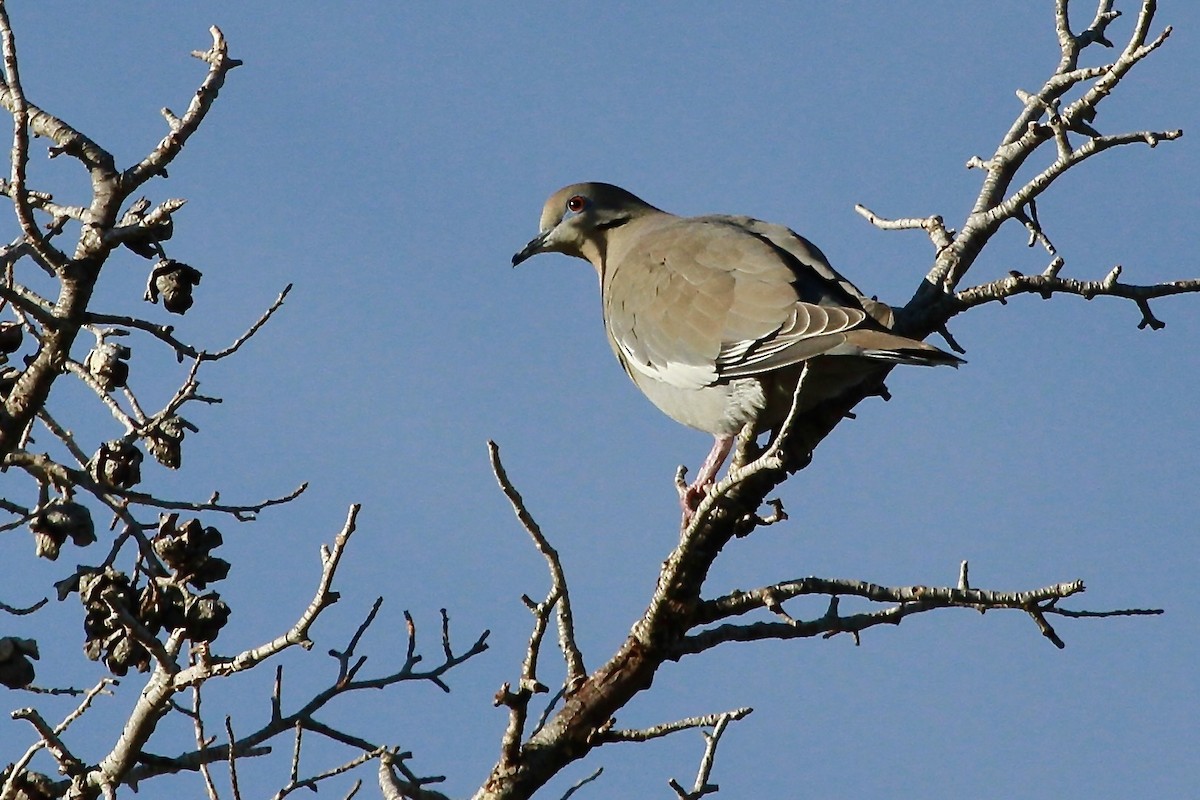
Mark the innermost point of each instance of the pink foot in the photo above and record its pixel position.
(691, 497)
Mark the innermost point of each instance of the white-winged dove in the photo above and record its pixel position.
(714, 317)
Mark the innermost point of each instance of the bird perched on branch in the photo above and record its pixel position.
(715, 317)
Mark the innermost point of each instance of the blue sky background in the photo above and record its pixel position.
(389, 160)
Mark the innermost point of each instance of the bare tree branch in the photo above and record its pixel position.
(20, 150)
(181, 129)
(558, 581)
(934, 226)
(9, 788)
(667, 728)
(1050, 283)
(702, 786)
(165, 333)
(18, 611)
(410, 788)
(310, 783)
(1040, 122)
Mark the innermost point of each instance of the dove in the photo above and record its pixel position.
(715, 317)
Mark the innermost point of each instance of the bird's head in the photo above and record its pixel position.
(577, 218)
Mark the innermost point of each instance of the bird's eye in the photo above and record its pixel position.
(576, 204)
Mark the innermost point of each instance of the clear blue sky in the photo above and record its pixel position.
(390, 162)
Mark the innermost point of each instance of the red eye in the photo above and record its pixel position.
(576, 204)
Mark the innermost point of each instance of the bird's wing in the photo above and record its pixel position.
(816, 279)
(698, 301)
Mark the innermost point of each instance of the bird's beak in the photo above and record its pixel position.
(532, 249)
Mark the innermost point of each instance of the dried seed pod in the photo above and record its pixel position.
(107, 364)
(16, 671)
(212, 570)
(107, 638)
(206, 615)
(117, 464)
(174, 281)
(125, 654)
(95, 583)
(56, 522)
(186, 549)
(161, 605)
(63, 588)
(171, 603)
(47, 545)
(10, 337)
(164, 440)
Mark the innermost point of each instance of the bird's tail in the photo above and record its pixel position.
(884, 346)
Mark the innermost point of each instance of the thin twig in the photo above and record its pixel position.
(934, 226)
(579, 784)
(576, 671)
(20, 150)
(667, 728)
(202, 741)
(232, 756)
(702, 786)
(1046, 285)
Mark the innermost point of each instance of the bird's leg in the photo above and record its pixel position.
(691, 497)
